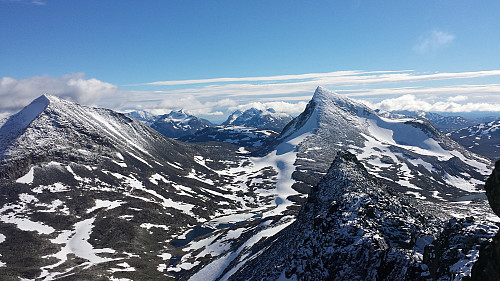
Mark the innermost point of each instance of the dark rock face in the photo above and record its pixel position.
(493, 189)
(487, 268)
(488, 264)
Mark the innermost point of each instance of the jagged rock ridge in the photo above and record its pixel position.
(354, 228)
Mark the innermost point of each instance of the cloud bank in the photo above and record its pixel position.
(413, 103)
(216, 98)
(16, 94)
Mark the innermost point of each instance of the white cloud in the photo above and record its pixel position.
(190, 104)
(457, 98)
(412, 103)
(433, 41)
(16, 94)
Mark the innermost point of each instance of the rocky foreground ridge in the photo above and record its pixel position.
(353, 227)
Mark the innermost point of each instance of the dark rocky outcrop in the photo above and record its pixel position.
(488, 265)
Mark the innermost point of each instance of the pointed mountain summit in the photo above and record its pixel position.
(408, 153)
(19, 122)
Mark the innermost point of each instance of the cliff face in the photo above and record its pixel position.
(488, 265)
(493, 189)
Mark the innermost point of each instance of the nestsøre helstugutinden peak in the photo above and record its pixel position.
(340, 192)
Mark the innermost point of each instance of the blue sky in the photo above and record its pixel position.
(119, 54)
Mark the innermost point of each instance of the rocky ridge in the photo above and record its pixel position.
(352, 227)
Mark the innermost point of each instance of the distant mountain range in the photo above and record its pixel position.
(267, 119)
(483, 139)
(242, 136)
(443, 123)
(180, 124)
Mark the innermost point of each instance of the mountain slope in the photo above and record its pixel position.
(267, 119)
(90, 193)
(178, 124)
(409, 154)
(483, 139)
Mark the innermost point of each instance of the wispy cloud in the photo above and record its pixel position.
(26, 2)
(433, 41)
(260, 78)
(340, 78)
(286, 93)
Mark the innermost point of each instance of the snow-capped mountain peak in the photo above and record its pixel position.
(16, 124)
(266, 118)
(179, 123)
(178, 116)
(143, 116)
(407, 152)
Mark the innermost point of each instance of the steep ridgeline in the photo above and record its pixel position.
(352, 227)
(483, 139)
(409, 154)
(248, 137)
(91, 194)
(267, 119)
(177, 124)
